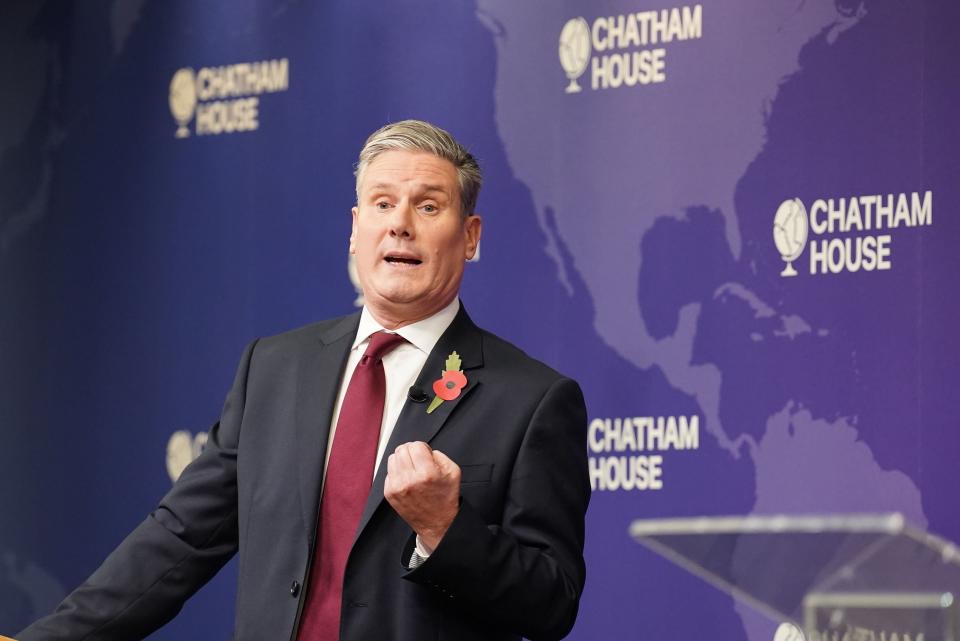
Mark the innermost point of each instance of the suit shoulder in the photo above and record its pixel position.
(513, 378)
(503, 353)
(322, 331)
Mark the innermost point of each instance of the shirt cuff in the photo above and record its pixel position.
(422, 550)
(420, 554)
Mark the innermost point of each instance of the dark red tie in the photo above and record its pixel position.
(345, 490)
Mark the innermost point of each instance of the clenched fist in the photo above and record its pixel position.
(423, 486)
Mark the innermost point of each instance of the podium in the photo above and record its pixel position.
(870, 577)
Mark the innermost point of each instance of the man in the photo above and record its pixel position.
(473, 526)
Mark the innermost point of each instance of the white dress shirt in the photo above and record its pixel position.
(401, 367)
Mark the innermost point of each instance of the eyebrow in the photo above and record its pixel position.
(422, 188)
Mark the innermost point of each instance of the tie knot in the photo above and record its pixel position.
(380, 345)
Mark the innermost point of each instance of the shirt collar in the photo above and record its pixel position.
(423, 334)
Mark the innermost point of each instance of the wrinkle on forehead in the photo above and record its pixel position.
(419, 172)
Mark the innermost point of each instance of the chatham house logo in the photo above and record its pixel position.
(626, 50)
(790, 230)
(847, 234)
(575, 51)
(183, 99)
(224, 99)
(182, 448)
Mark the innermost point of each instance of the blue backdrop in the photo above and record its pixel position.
(176, 179)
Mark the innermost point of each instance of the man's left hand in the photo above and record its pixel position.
(423, 486)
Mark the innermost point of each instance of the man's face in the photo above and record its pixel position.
(409, 236)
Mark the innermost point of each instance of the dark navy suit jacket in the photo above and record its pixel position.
(511, 564)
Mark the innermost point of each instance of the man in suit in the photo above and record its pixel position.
(457, 513)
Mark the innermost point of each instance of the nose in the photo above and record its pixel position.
(401, 222)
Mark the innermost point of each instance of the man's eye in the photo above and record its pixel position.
(382, 205)
(430, 209)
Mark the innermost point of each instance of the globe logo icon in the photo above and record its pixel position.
(183, 99)
(574, 51)
(790, 230)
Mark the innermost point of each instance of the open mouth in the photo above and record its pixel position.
(402, 260)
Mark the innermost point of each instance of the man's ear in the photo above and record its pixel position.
(353, 231)
(472, 227)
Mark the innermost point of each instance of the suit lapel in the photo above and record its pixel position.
(317, 386)
(414, 424)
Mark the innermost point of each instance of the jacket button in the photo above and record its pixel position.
(294, 589)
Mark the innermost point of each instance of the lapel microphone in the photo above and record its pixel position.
(417, 395)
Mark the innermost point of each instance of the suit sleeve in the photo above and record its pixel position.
(525, 575)
(144, 582)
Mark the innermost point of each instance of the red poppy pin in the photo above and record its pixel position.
(448, 386)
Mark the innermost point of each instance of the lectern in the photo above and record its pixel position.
(837, 577)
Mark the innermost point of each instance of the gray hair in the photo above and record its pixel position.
(417, 135)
